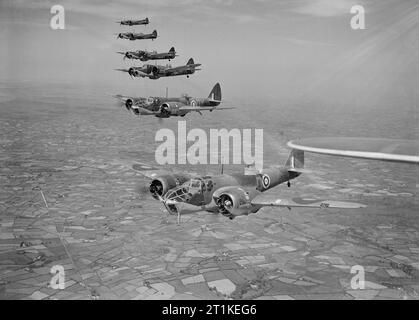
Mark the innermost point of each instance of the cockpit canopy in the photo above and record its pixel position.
(186, 191)
(194, 183)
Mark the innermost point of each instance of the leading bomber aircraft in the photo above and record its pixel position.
(165, 107)
(157, 71)
(134, 22)
(231, 195)
(137, 36)
(149, 55)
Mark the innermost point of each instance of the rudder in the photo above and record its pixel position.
(295, 159)
(215, 93)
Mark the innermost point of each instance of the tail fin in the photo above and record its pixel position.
(215, 93)
(155, 32)
(172, 49)
(295, 159)
(190, 61)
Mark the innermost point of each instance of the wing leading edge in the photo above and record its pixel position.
(305, 203)
(395, 150)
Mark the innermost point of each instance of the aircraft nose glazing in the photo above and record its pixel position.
(179, 195)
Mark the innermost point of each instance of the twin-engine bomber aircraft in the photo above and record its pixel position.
(150, 55)
(157, 71)
(165, 107)
(134, 22)
(231, 195)
(137, 36)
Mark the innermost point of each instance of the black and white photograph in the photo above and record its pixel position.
(209, 153)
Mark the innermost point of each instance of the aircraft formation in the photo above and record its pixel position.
(162, 107)
(152, 71)
(231, 195)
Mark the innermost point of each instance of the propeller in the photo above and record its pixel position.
(128, 104)
(124, 53)
(155, 71)
(225, 205)
(131, 72)
(141, 189)
(136, 111)
(172, 207)
(226, 202)
(156, 189)
(164, 110)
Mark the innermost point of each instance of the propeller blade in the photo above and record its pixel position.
(141, 189)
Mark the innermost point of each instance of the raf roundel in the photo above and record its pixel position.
(266, 181)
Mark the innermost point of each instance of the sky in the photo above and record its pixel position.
(261, 51)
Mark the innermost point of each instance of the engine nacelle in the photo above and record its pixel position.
(168, 109)
(133, 72)
(161, 184)
(235, 201)
(155, 71)
(128, 104)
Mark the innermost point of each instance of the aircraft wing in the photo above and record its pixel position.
(121, 97)
(136, 101)
(148, 171)
(143, 111)
(125, 98)
(151, 172)
(263, 201)
(138, 72)
(208, 108)
(224, 108)
(367, 148)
